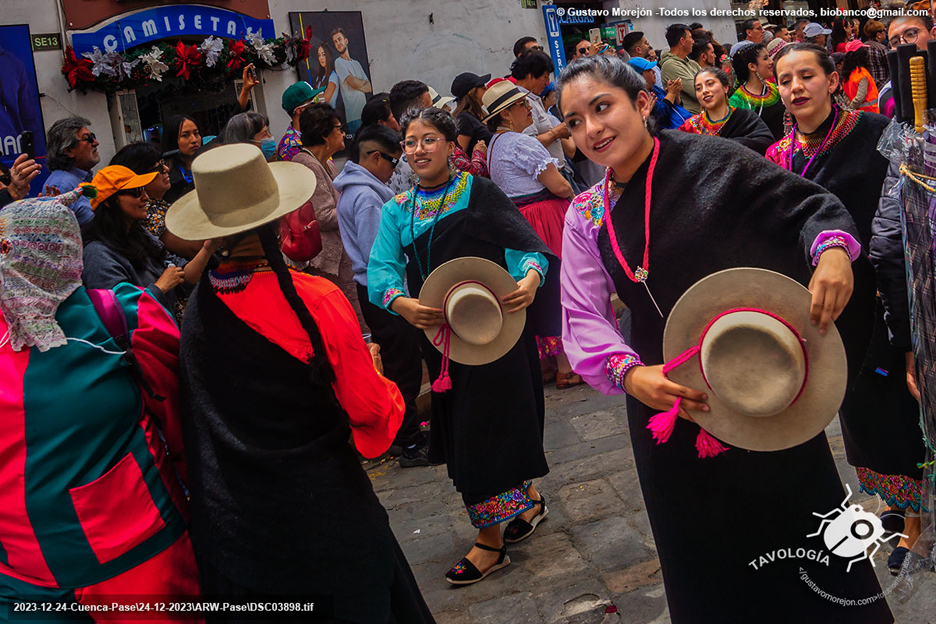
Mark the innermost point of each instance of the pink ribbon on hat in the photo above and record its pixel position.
(662, 424)
(443, 339)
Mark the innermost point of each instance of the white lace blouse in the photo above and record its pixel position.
(515, 161)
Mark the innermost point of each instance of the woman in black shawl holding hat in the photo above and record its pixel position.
(675, 208)
(280, 503)
(488, 426)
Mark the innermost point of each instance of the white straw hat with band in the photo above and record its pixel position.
(500, 97)
(477, 329)
(236, 190)
(744, 337)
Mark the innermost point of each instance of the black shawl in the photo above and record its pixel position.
(745, 127)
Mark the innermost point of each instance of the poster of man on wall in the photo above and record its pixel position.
(19, 98)
(337, 60)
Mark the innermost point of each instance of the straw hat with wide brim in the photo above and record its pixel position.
(237, 190)
(469, 292)
(500, 97)
(772, 380)
(439, 101)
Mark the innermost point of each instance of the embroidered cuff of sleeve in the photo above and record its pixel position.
(528, 264)
(389, 296)
(834, 238)
(618, 365)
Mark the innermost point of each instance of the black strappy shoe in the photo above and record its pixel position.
(465, 572)
(518, 529)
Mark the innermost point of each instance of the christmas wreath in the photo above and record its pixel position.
(212, 59)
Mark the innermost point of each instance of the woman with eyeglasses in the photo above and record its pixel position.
(118, 248)
(720, 118)
(181, 139)
(322, 135)
(488, 428)
(528, 175)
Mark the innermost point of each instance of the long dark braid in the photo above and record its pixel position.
(322, 372)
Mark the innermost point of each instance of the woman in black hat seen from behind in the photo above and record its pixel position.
(469, 89)
(280, 503)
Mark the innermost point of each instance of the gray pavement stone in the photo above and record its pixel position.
(611, 544)
(559, 434)
(590, 500)
(586, 467)
(582, 602)
(627, 485)
(549, 558)
(600, 424)
(646, 605)
(518, 608)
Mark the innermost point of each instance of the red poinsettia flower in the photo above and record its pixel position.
(76, 69)
(187, 59)
(236, 55)
(303, 47)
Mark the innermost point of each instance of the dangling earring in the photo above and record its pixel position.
(645, 122)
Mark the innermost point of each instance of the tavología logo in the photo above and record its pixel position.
(847, 532)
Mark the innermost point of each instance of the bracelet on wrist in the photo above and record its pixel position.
(829, 243)
(618, 365)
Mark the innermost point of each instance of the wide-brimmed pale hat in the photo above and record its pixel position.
(499, 97)
(743, 336)
(469, 291)
(439, 101)
(237, 190)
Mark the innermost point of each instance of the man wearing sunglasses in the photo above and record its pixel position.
(72, 153)
(363, 187)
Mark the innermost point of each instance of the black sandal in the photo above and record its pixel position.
(518, 529)
(466, 573)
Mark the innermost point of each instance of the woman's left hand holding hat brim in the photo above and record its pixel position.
(523, 297)
(831, 287)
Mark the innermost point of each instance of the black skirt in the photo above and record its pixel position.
(488, 429)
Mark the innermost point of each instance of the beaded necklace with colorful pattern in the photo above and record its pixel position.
(435, 212)
(234, 274)
(769, 96)
(813, 145)
(704, 124)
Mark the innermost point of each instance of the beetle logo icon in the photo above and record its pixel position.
(849, 530)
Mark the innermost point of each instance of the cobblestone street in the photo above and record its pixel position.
(593, 559)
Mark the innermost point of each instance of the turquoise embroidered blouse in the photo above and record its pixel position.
(385, 269)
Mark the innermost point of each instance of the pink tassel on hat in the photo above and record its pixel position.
(707, 445)
(442, 338)
(662, 424)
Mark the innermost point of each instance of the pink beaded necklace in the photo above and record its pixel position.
(643, 270)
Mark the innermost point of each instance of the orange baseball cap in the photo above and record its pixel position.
(115, 178)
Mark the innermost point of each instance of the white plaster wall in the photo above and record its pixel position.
(654, 27)
(43, 17)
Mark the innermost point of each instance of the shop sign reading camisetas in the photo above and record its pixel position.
(169, 21)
